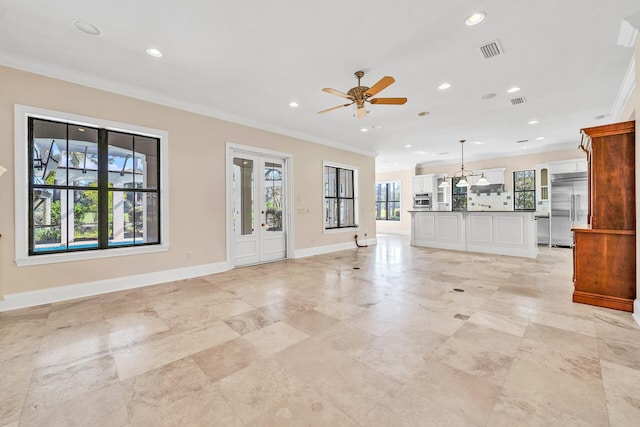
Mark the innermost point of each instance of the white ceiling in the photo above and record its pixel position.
(245, 61)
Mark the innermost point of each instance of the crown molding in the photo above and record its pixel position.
(626, 90)
(73, 76)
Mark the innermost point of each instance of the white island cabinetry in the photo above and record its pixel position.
(503, 233)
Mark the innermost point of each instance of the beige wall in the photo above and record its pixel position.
(406, 202)
(196, 156)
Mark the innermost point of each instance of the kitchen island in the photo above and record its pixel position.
(511, 233)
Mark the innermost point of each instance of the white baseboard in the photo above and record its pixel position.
(636, 310)
(319, 250)
(63, 293)
(394, 232)
(81, 290)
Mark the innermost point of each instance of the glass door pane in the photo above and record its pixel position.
(243, 196)
(273, 196)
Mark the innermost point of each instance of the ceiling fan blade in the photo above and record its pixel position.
(333, 108)
(381, 84)
(337, 92)
(391, 101)
(361, 112)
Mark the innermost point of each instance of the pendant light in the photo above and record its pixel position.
(462, 182)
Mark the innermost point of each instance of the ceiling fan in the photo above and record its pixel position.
(360, 94)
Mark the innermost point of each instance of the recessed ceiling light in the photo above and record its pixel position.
(87, 27)
(154, 52)
(532, 122)
(421, 152)
(488, 96)
(475, 18)
(407, 146)
(423, 113)
(376, 127)
(477, 142)
(513, 89)
(364, 130)
(540, 138)
(444, 86)
(294, 104)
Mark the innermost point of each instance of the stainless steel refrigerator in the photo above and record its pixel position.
(569, 205)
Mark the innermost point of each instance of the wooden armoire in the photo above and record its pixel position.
(604, 250)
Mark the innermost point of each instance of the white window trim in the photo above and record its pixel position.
(22, 113)
(356, 198)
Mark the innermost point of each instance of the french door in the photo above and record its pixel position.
(258, 217)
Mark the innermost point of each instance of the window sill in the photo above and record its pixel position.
(26, 261)
(341, 230)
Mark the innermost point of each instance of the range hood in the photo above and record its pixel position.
(487, 189)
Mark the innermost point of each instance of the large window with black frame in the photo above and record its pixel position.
(339, 197)
(91, 188)
(388, 201)
(524, 190)
(458, 195)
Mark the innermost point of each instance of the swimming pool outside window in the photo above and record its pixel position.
(91, 188)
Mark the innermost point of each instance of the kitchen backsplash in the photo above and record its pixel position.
(490, 202)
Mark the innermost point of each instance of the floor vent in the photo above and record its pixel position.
(491, 49)
(520, 100)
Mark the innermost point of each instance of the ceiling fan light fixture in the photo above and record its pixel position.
(474, 18)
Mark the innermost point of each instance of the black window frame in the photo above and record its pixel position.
(102, 187)
(339, 200)
(459, 201)
(530, 191)
(388, 192)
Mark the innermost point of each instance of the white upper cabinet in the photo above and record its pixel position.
(423, 184)
(568, 166)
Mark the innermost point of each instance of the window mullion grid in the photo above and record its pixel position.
(338, 198)
(103, 189)
(31, 246)
(387, 202)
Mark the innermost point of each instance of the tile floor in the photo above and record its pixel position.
(315, 341)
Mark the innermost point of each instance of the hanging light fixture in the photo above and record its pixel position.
(462, 182)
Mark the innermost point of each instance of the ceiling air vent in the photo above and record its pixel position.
(522, 140)
(520, 100)
(491, 49)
